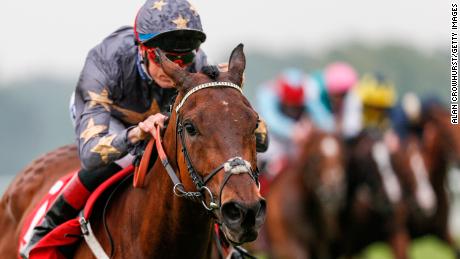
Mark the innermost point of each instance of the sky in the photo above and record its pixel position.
(52, 37)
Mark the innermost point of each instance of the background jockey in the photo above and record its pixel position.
(284, 103)
(370, 111)
(121, 94)
(406, 116)
(339, 79)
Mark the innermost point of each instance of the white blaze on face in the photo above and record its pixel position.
(224, 103)
(391, 185)
(329, 147)
(424, 191)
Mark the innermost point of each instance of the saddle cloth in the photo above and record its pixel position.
(69, 232)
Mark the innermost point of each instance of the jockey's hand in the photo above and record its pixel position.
(146, 128)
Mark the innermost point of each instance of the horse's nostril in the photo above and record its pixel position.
(247, 216)
(262, 208)
(232, 211)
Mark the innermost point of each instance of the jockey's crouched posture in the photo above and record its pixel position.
(121, 95)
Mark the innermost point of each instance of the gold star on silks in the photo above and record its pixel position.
(180, 22)
(104, 148)
(102, 99)
(193, 9)
(158, 5)
(91, 130)
(136, 117)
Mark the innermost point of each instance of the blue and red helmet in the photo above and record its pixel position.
(171, 25)
(291, 86)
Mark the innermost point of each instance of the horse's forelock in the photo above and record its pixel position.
(211, 71)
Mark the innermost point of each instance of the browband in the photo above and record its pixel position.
(206, 85)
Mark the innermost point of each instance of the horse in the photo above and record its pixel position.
(375, 210)
(211, 148)
(305, 200)
(436, 146)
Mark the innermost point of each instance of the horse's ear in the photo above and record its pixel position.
(236, 65)
(174, 71)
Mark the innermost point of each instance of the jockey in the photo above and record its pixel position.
(121, 95)
(339, 80)
(378, 96)
(407, 115)
(283, 103)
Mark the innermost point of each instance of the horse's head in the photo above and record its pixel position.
(440, 136)
(322, 157)
(216, 145)
(371, 170)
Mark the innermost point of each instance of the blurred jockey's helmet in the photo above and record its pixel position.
(376, 91)
(290, 85)
(339, 77)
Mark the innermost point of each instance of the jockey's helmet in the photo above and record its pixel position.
(376, 91)
(171, 25)
(291, 87)
(339, 77)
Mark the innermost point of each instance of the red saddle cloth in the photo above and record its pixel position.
(69, 232)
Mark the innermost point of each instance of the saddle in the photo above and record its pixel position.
(70, 232)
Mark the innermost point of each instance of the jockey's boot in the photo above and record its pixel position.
(66, 206)
(70, 202)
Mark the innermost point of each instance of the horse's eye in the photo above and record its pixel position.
(190, 129)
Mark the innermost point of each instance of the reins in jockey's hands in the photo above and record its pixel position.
(147, 128)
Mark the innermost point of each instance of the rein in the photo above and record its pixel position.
(231, 167)
(235, 165)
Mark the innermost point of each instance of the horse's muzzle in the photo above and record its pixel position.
(242, 222)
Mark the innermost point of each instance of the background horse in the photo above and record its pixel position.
(305, 200)
(217, 125)
(374, 209)
(27, 189)
(438, 144)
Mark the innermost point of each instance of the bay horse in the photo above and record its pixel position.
(209, 140)
(305, 200)
(375, 210)
(437, 142)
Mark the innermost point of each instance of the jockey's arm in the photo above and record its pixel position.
(97, 146)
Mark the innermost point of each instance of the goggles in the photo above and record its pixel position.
(182, 59)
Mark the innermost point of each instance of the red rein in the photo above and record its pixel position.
(141, 170)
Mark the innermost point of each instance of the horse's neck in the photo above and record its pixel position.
(162, 224)
(189, 225)
(434, 152)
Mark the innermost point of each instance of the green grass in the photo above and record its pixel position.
(423, 248)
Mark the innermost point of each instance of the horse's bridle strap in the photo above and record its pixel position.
(164, 158)
(206, 85)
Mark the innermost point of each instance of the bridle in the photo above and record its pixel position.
(235, 165)
(232, 166)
